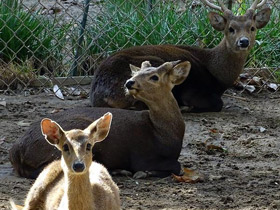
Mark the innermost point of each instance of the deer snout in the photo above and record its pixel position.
(78, 167)
(129, 84)
(243, 42)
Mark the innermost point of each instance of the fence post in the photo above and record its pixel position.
(74, 68)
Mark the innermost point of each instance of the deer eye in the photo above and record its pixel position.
(88, 147)
(154, 78)
(65, 148)
(253, 29)
(231, 30)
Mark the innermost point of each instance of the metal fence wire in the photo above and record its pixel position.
(47, 42)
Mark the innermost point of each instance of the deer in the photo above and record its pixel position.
(141, 142)
(75, 181)
(213, 70)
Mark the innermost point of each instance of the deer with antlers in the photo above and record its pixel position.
(212, 72)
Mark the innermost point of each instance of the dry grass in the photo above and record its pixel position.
(13, 76)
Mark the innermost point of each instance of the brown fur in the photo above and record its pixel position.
(59, 186)
(213, 70)
(138, 140)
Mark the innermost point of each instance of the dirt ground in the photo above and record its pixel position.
(244, 175)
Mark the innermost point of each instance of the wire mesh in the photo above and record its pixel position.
(47, 42)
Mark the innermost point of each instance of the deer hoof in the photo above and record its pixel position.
(141, 175)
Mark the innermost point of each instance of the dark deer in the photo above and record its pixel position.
(139, 141)
(213, 70)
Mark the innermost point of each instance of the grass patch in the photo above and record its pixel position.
(25, 36)
(266, 52)
(12, 75)
(29, 37)
(129, 23)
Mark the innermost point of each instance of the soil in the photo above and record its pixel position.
(241, 167)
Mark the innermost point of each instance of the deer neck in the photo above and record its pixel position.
(225, 64)
(167, 118)
(78, 193)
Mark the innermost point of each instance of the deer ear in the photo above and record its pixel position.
(180, 72)
(52, 131)
(134, 69)
(145, 64)
(217, 21)
(262, 17)
(99, 129)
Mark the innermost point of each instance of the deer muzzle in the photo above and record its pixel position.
(129, 84)
(243, 42)
(78, 167)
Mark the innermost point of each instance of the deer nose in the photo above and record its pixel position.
(243, 42)
(78, 167)
(129, 84)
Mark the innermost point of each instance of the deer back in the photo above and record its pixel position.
(126, 126)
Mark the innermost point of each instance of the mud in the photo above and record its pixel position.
(244, 174)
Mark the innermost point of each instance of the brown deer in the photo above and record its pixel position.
(75, 181)
(213, 70)
(144, 142)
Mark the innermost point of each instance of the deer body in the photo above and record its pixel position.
(74, 182)
(148, 140)
(212, 72)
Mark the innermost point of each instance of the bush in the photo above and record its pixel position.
(25, 35)
(129, 23)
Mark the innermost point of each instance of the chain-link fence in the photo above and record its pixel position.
(47, 42)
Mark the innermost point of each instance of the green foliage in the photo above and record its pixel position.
(267, 48)
(122, 24)
(25, 35)
(129, 23)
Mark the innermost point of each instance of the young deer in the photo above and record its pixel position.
(139, 141)
(213, 70)
(74, 182)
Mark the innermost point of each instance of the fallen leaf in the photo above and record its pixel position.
(254, 81)
(55, 111)
(272, 86)
(250, 88)
(262, 129)
(83, 95)
(189, 176)
(257, 79)
(214, 131)
(215, 147)
(3, 103)
(244, 76)
(74, 91)
(58, 92)
(2, 140)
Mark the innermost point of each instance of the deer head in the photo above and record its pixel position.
(76, 145)
(151, 84)
(240, 31)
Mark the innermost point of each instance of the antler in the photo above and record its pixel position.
(222, 8)
(255, 5)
